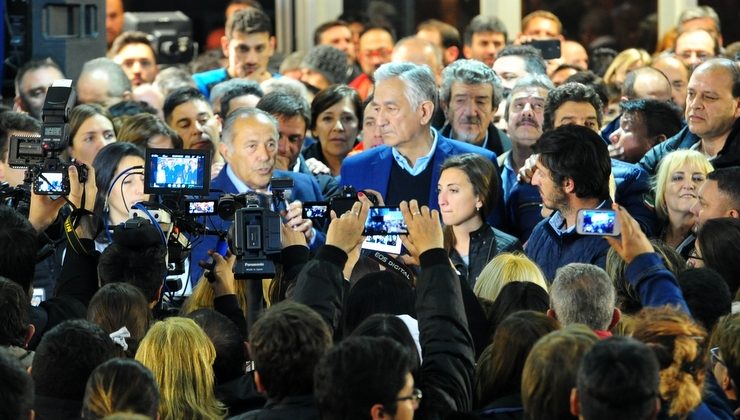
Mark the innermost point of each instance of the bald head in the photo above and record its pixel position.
(418, 51)
(574, 54)
(677, 74)
(646, 83)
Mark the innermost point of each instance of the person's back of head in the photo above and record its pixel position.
(680, 346)
(517, 296)
(361, 375)
(143, 267)
(226, 339)
(578, 153)
(618, 379)
(66, 356)
(120, 385)
(583, 294)
(499, 368)
(591, 79)
(503, 269)
(551, 369)
(16, 388)
(18, 247)
(118, 305)
(286, 344)
(706, 295)
(180, 355)
(402, 328)
(15, 327)
(379, 292)
(719, 242)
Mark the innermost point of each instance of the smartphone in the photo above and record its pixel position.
(390, 244)
(597, 222)
(202, 207)
(316, 210)
(385, 221)
(550, 48)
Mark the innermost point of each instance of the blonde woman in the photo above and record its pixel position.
(625, 61)
(504, 269)
(679, 176)
(181, 357)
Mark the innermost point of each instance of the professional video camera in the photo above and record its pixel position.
(40, 156)
(18, 197)
(255, 235)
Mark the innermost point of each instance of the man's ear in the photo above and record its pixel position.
(734, 213)
(30, 330)
(258, 383)
(575, 404)
(426, 110)
(225, 152)
(616, 316)
(225, 46)
(467, 51)
(377, 412)
(551, 313)
(568, 185)
(273, 44)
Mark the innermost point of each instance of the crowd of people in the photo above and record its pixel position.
(500, 305)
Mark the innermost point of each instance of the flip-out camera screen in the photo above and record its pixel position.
(169, 171)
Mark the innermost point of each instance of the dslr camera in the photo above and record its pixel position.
(40, 155)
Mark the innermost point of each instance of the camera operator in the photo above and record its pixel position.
(249, 146)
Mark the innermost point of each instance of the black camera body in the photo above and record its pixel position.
(340, 204)
(255, 239)
(39, 155)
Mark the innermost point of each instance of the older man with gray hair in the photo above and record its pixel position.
(103, 82)
(470, 96)
(407, 165)
(584, 294)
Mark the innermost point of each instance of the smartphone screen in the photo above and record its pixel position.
(316, 210)
(549, 48)
(597, 222)
(385, 221)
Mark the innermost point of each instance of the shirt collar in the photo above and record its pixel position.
(240, 186)
(421, 163)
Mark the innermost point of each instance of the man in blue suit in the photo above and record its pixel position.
(249, 145)
(407, 166)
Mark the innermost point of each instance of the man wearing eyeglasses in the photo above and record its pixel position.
(376, 47)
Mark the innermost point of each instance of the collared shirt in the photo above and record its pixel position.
(485, 141)
(508, 176)
(421, 163)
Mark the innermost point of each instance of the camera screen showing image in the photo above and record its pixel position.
(51, 183)
(597, 222)
(177, 171)
(315, 210)
(390, 244)
(385, 221)
(202, 207)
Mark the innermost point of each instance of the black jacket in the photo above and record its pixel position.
(289, 408)
(485, 243)
(446, 373)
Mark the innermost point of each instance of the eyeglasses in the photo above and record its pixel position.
(714, 352)
(415, 396)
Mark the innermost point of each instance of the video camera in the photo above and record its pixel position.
(255, 235)
(40, 156)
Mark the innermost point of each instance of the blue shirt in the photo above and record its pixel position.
(421, 163)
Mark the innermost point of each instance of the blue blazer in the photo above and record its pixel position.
(372, 168)
(305, 188)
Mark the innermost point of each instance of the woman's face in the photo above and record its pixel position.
(94, 133)
(337, 128)
(681, 188)
(128, 189)
(457, 200)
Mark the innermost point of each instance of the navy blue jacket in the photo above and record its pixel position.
(372, 169)
(305, 188)
(551, 250)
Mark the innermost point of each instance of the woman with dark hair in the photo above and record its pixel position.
(120, 386)
(374, 293)
(90, 129)
(148, 131)
(336, 113)
(718, 247)
(466, 192)
(514, 297)
(499, 369)
(118, 305)
(119, 176)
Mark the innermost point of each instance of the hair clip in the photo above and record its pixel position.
(119, 337)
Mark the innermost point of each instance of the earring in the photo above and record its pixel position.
(477, 208)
